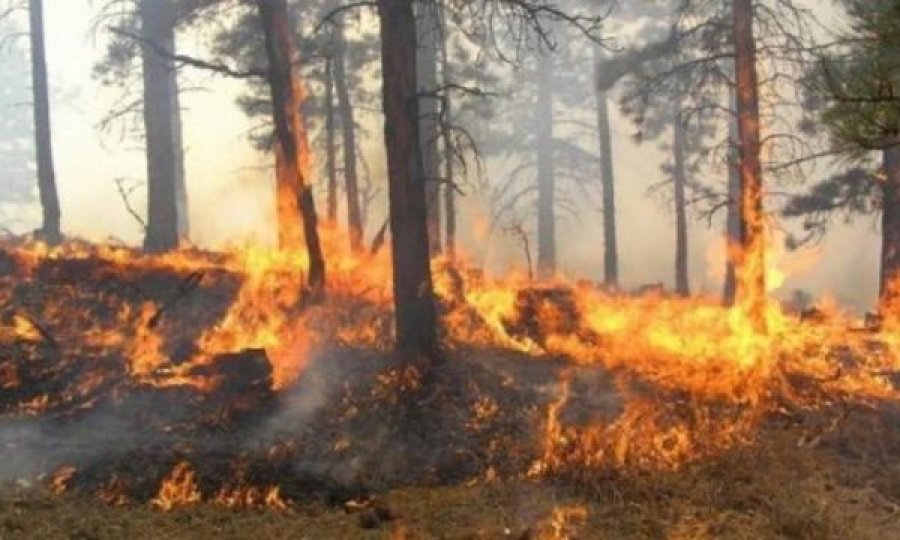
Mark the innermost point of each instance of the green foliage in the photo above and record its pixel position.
(862, 81)
(856, 91)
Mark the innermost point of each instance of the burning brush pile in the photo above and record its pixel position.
(195, 376)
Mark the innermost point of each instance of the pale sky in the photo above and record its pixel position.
(230, 191)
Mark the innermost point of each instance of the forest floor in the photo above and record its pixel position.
(772, 492)
(358, 447)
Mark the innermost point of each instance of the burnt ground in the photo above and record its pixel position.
(361, 447)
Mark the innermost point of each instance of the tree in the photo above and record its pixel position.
(295, 201)
(330, 143)
(412, 283)
(750, 259)
(607, 177)
(546, 182)
(348, 131)
(715, 50)
(855, 90)
(428, 46)
(679, 188)
(167, 220)
(450, 152)
(50, 229)
(335, 62)
(542, 138)
(143, 42)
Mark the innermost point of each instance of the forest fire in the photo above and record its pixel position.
(687, 378)
(461, 371)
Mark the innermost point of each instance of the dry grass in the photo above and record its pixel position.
(772, 491)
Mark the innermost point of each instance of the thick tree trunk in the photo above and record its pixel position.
(682, 284)
(890, 227)
(428, 36)
(294, 192)
(607, 184)
(348, 134)
(50, 230)
(330, 142)
(166, 190)
(750, 267)
(413, 288)
(546, 183)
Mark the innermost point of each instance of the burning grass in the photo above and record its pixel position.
(201, 381)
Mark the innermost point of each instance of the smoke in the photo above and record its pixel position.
(230, 184)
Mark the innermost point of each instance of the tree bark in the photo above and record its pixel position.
(546, 183)
(50, 228)
(330, 142)
(607, 184)
(348, 133)
(166, 191)
(412, 282)
(294, 193)
(889, 289)
(750, 263)
(428, 34)
(682, 283)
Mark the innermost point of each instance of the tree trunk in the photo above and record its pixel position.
(449, 156)
(732, 219)
(50, 230)
(682, 284)
(330, 142)
(750, 263)
(608, 185)
(294, 193)
(348, 133)
(546, 183)
(413, 289)
(890, 227)
(428, 34)
(166, 190)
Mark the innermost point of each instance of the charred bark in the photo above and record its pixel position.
(890, 226)
(294, 192)
(546, 183)
(348, 135)
(166, 191)
(412, 282)
(608, 185)
(750, 267)
(50, 228)
(428, 34)
(679, 185)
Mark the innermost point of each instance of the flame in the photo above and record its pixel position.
(179, 488)
(59, 482)
(251, 497)
(564, 523)
(693, 377)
